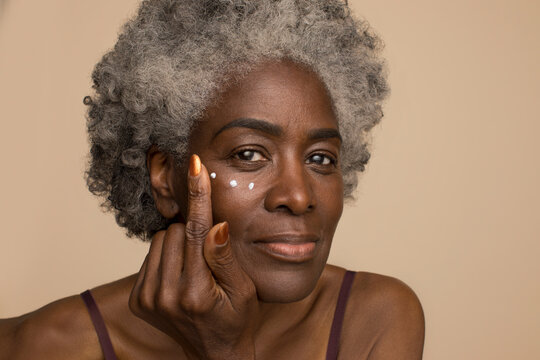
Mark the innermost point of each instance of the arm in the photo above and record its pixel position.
(60, 330)
(384, 320)
(402, 334)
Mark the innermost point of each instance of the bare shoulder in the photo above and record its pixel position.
(384, 319)
(59, 330)
(131, 337)
(63, 329)
(390, 298)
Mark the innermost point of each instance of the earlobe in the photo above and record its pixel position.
(161, 171)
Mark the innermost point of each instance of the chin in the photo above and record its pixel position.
(286, 286)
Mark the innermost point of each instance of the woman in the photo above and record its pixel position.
(229, 133)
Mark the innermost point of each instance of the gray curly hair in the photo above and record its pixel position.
(170, 62)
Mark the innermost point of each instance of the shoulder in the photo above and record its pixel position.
(389, 297)
(60, 330)
(64, 330)
(131, 337)
(384, 318)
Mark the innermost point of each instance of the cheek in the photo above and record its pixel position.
(329, 194)
(238, 198)
(235, 197)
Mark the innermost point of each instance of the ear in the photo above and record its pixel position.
(161, 170)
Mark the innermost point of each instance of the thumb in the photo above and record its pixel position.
(221, 261)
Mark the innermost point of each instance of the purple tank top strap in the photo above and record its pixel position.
(339, 313)
(99, 325)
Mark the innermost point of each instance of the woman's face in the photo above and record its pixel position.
(273, 143)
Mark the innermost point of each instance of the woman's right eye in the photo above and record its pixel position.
(249, 155)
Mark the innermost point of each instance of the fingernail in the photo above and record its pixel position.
(194, 165)
(222, 234)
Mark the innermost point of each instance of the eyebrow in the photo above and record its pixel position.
(276, 130)
(254, 124)
(320, 134)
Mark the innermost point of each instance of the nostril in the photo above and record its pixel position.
(294, 209)
(291, 194)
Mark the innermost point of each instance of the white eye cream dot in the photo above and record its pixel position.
(233, 183)
(251, 185)
(213, 175)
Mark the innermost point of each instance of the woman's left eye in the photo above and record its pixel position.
(320, 159)
(249, 155)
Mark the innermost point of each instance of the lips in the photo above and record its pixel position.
(289, 247)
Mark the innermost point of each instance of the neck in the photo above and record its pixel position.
(280, 317)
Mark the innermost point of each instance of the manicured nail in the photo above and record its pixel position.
(194, 165)
(222, 234)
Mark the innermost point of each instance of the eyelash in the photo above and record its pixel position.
(331, 161)
(253, 151)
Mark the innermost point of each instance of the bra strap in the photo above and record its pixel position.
(339, 313)
(99, 325)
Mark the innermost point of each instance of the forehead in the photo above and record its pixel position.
(283, 93)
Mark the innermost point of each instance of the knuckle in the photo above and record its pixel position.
(134, 304)
(197, 192)
(146, 301)
(196, 229)
(176, 228)
(226, 260)
(192, 305)
(166, 303)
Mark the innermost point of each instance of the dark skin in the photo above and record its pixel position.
(245, 276)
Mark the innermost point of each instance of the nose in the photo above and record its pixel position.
(291, 190)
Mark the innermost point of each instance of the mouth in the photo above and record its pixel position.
(289, 247)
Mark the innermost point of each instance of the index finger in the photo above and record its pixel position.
(199, 220)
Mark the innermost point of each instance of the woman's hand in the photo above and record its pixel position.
(191, 287)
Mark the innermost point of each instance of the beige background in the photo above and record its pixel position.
(450, 202)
